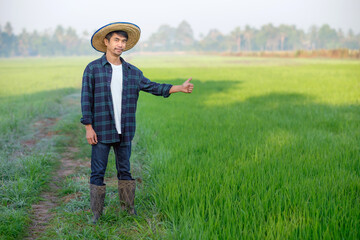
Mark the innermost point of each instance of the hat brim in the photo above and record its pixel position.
(133, 31)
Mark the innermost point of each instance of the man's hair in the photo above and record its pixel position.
(121, 33)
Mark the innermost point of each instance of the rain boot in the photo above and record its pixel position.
(127, 195)
(97, 197)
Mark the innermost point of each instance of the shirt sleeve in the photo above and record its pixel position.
(158, 89)
(87, 97)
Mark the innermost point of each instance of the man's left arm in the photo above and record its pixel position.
(162, 89)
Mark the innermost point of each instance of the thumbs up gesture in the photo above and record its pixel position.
(187, 87)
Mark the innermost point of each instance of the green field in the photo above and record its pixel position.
(262, 148)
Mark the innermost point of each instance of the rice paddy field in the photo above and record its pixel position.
(264, 148)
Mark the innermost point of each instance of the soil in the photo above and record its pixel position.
(42, 211)
(42, 130)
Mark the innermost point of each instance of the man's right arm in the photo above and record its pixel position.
(87, 105)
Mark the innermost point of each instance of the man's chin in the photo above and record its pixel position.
(116, 53)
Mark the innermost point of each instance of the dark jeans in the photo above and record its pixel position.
(99, 160)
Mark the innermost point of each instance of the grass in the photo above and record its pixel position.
(263, 148)
(28, 95)
(22, 180)
(75, 197)
(259, 151)
(32, 93)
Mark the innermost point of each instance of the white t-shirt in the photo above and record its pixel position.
(116, 92)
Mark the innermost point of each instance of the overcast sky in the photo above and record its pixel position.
(202, 15)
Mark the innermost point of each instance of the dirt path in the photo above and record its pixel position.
(42, 211)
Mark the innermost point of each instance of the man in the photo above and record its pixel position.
(110, 90)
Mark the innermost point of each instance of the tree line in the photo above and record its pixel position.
(66, 41)
(61, 42)
(267, 38)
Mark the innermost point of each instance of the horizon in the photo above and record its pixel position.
(80, 33)
(202, 16)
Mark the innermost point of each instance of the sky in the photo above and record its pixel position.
(202, 15)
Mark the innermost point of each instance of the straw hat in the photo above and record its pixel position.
(133, 31)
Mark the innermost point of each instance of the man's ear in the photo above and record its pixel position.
(106, 42)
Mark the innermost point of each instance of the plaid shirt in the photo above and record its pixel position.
(96, 100)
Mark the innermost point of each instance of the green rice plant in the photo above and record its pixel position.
(259, 151)
(263, 148)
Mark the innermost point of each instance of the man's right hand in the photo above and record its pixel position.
(90, 135)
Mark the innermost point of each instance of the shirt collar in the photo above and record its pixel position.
(104, 61)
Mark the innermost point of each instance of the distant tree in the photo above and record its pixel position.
(85, 35)
(8, 41)
(184, 36)
(267, 38)
(8, 29)
(42, 44)
(24, 48)
(351, 41)
(1, 42)
(283, 36)
(328, 37)
(290, 37)
(163, 39)
(214, 41)
(71, 42)
(248, 33)
(235, 40)
(59, 40)
(313, 37)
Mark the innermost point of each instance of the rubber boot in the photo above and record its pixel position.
(127, 195)
(97, 197)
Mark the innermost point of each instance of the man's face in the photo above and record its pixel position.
(116, 45)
